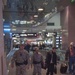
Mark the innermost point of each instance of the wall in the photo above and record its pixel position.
(71, 23)
(64, 24)
(56, 20)
(3, 70)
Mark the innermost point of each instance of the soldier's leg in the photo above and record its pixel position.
(35, 70)
(39, 69)
(17, 70)
(23, 69)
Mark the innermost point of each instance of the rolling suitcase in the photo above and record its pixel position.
(63, 68)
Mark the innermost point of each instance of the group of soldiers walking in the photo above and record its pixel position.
(22, 61)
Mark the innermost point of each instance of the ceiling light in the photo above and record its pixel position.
(35, 15)
(43, 30)
(13, 29)
(40, 9)
(13, 26)
(40, 32)
(45, 3)
(24, 30)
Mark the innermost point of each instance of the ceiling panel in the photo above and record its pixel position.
(25, 10)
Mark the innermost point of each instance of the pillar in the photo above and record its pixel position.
(68, 25)
(3, 69)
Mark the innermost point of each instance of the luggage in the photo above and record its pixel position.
(63, 68)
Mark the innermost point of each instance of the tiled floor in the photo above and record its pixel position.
(12, 71)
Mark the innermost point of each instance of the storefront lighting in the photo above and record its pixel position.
(13, 29)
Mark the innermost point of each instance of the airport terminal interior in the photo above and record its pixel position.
(35, 23)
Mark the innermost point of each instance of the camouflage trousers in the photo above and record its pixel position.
(21, 70)
(37, 69)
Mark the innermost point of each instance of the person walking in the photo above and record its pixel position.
(51, 61)
(20, 58)
(37, 59)
(70, 56)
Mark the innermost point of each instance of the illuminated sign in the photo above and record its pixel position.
(25, 35)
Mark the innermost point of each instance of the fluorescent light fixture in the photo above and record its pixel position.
(6, 29)
(57, 40)
(43, 30)
(23, 35)
(13, 29)
(6, 26)
(40, 9)
(30, 34)
(40, 32)
(35, 15)
(24, 30)
(14, 38)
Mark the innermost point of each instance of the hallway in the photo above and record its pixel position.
(12, 71)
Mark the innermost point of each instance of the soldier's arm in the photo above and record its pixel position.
(28, 58)
(13, 59)
(42, 58)
(32, 59)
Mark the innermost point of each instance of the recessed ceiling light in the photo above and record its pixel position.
(40, 9)
(35, 15)
(43, 30)
(40, 32)
(24, 30)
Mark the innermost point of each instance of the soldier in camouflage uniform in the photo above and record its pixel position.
(37, 58)
(21, 58)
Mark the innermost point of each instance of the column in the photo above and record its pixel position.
(3, 69)
(68, 25)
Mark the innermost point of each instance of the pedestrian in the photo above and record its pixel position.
(51, 61)
(20, 58)
(70, 56)
(37, 59)
(27, 47)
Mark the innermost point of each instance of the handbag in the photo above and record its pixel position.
(63, 68)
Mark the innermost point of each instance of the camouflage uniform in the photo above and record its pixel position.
(19, 57)
(37, 66)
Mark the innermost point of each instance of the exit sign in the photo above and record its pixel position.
(72, 1)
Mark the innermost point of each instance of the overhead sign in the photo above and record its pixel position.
(25, 35)
(50, 24)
